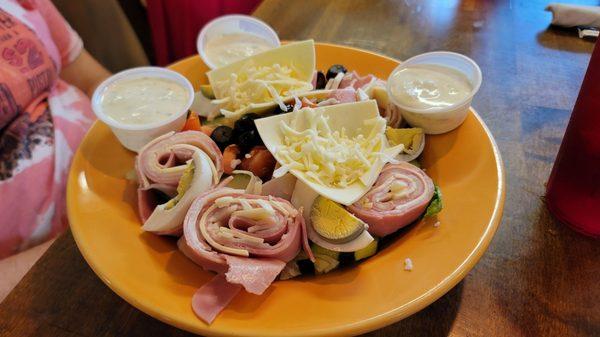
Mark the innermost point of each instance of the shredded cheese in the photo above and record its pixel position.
(398, 189)
(258, 84)
(334, 83)
(331, 158)
(245, 203)
(224, 201)
(281, 208)
(361, 95)
(255, 213)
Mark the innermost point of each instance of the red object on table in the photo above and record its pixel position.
(573, 192)
(175, 23)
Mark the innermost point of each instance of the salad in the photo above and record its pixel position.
(282, 170)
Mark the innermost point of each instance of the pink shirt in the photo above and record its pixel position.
(42, 121)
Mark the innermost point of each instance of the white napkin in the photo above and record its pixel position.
(574, 15)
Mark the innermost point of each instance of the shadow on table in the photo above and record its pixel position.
(434, 321)
(547, 38)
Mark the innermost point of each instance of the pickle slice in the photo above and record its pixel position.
(411, 138)
(207, 91)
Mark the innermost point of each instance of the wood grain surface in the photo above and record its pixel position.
(538, 277)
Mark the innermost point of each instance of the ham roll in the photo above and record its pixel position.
(398, 197)
(172, 170)
(353, 80)
(248, 238)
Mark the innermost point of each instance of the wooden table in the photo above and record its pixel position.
(538, 278)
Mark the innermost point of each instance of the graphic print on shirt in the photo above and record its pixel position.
(8, 106)
(6, 22)
(31, 75)
(40, 82)
(19, 139)
(27, 47)
(22, 53)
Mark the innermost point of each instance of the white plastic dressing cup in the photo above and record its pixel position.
(231, 24)
(135, 136)
(436, 120)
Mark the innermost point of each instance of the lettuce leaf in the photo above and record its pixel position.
(435, 205)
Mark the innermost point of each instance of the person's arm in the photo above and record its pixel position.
(85, 73)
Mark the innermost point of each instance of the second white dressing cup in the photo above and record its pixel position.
(436, 120)
(231, 24)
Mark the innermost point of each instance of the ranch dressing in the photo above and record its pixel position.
(143, 100)
(229, 48)
(425, 86)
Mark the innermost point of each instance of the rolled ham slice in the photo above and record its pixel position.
(353, 80)
(248, 238)
(162, 161)
(353, 87)
(227, 221)
(398, 197)
(159, 167)
(167, 219)
(347, 95)
(213, 297)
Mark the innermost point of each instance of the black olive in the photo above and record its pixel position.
(346, 258)
(223, 136)
(288, 108)
(336, 69)
(247, 140)
(306, 267)
(321, 80)
(245, 123)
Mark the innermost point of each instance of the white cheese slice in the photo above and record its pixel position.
(262, 81)
(349, 117)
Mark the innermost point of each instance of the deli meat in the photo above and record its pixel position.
(400, 195)
(248, 238)
(158, 160)
(254, 274)
(213, 297)
(161, 164)
(353, 80)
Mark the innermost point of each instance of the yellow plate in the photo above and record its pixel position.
(148, 271)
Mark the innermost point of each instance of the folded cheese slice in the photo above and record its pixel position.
(337, 150)
(264, 80)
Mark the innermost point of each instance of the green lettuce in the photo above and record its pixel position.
(435, 205)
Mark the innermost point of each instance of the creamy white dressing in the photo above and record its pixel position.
(143, 100)
(425, 86)
(229, 48)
